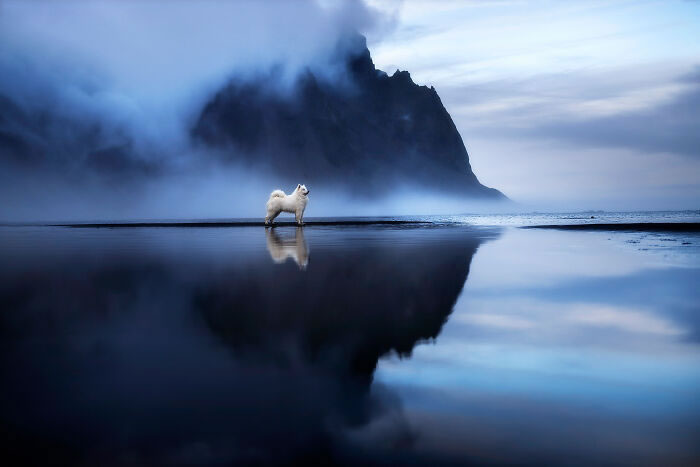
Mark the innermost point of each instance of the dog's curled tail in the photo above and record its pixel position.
(277, 194)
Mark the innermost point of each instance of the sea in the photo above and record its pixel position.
(448, 340)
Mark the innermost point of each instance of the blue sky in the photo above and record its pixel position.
(563, 104)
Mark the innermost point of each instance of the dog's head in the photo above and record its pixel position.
(302, 190)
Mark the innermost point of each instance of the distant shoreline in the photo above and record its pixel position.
(628, 227)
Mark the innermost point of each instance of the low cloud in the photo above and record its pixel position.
(648, 111)
(669, 127)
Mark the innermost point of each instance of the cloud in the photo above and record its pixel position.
(668, 127)
(162, 47)
(635, 108)
(143, 66)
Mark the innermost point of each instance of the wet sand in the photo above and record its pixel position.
(621, 227)
(242, 223)
(629, 227)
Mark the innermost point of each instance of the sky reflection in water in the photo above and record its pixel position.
(218, 345)
(571, 347)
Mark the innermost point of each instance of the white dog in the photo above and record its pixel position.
(280, 202)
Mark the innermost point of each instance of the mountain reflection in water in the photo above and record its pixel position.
(206, 346)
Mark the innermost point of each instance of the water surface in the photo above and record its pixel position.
(418, 344)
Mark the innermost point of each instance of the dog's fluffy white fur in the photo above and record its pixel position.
(281, 202)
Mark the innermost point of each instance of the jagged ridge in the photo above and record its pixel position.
(365, 127)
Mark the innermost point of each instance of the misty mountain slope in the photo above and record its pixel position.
(360, 127)
(44, 139)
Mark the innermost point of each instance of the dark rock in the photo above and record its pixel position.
(363, 126)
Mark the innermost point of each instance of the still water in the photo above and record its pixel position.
(448, 344)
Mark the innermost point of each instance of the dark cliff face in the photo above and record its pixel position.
(364, 126)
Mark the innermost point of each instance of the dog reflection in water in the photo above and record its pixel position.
(282, 248)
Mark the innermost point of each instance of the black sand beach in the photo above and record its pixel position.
(622, 227)
(628, 227)
(241, 223)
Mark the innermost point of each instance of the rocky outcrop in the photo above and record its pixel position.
(360, 126)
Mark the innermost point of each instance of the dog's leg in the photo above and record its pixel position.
(299, 214)
(273, 215)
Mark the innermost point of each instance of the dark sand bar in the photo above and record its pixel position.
(242, 224)
(630, 227)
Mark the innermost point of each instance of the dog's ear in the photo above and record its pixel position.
(298, 186)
